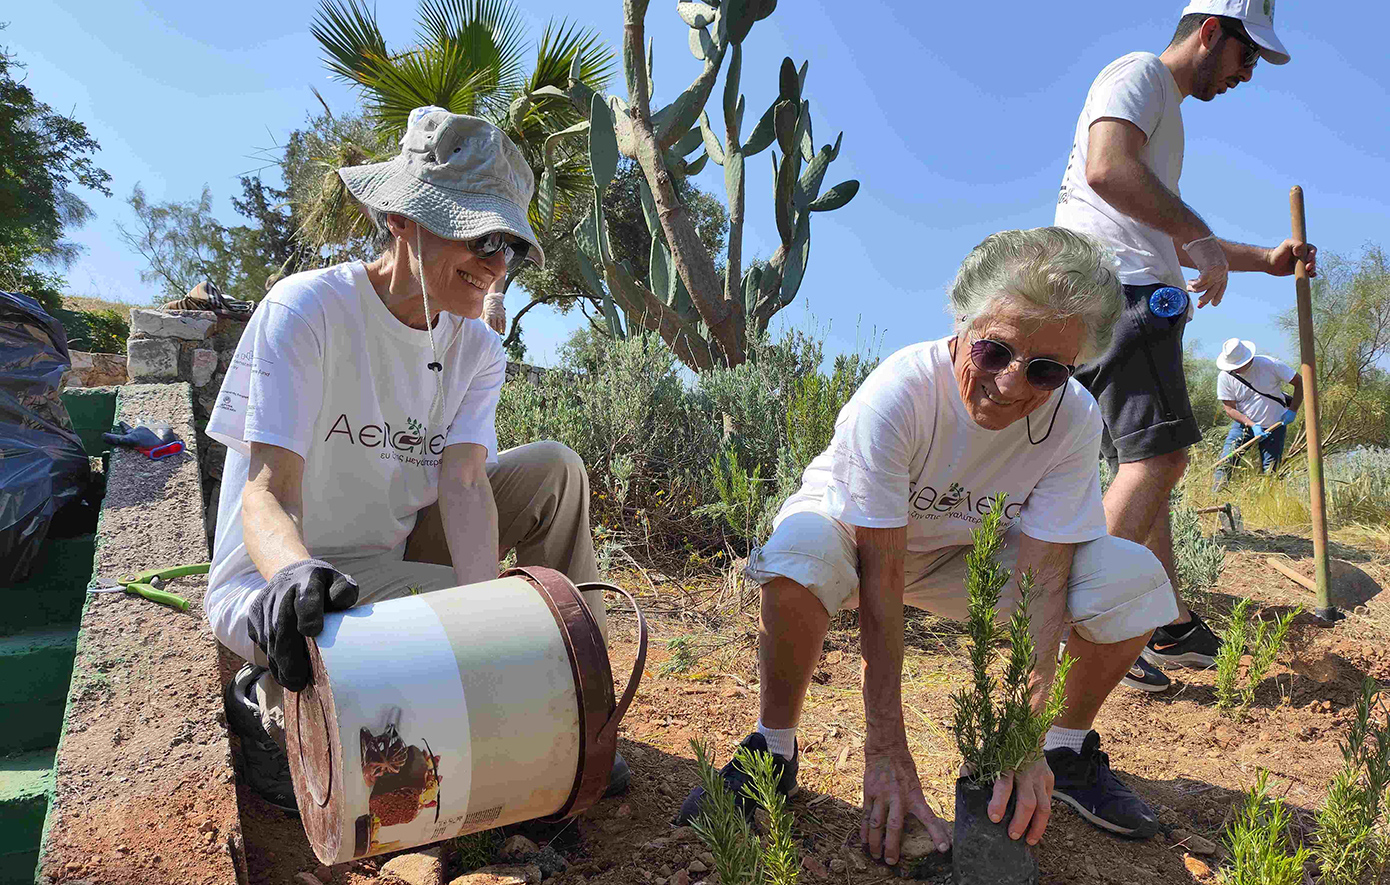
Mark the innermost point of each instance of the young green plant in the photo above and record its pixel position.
(1259, 844)
(740, 858)
(1234, 639)
(1351, 834)
(1269, 639)
(996, 727)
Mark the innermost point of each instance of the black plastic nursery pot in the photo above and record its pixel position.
(982, 852)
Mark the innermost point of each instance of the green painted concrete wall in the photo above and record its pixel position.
(93, 411)
(56, 588)
(26, 782)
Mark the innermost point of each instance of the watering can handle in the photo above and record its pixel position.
(610, 728)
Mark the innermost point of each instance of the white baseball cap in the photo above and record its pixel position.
(1258, 17)
(1234, 354)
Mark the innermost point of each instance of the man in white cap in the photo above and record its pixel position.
(1251, 390)
(1121, 185)
(358, 413)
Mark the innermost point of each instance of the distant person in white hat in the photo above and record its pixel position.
(1251, 390)
(359, 419)
(1121, 185)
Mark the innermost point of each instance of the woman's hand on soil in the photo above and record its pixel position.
(891, 792)
(1034, 806)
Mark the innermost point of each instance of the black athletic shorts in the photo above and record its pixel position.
(1140, 387)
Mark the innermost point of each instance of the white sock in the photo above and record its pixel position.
(780, 741)
(1071, 738)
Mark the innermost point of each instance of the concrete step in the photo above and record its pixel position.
(56, 589)
(25, 783)
(35, 669)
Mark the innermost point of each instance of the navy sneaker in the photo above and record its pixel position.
(735, 778)
(1196, 648)
(1144, 676)
(1086, 783)
(265, 768)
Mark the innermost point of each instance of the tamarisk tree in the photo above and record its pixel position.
(703, 311)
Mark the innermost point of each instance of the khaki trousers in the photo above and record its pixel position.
(542, 495)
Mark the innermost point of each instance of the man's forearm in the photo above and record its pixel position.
(881, 635)
(1297, 400)
(1236, 415)
(1132, 188)
(470, 527)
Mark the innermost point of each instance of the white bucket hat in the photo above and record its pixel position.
(457, 176)
(1234, 354)
(1258, 18)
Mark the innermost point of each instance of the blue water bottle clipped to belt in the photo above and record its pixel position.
(1168, 302)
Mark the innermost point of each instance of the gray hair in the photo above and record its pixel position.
(1052, 273)
(381, 236)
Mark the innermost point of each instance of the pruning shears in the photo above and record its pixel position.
(149, 584)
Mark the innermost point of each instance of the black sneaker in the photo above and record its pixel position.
(619, 778)
(735, 778)
(264, 766)
(1145, 677)
(1197, 649)
(1085, 782)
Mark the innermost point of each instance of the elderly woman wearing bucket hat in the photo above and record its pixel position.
(936, 434)
(358, 413)
(1251, 390)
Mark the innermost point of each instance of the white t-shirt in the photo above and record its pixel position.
(906, 453)
(1268, 375)
(1138, 88)
(326, 371)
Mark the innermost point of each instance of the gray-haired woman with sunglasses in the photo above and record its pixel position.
(935, 436)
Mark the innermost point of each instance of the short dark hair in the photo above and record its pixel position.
(1190, 23)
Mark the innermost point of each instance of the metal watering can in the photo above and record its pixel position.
(445, 713)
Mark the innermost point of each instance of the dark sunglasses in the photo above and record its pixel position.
(1236, 31)
(993, 357)
(488, 245)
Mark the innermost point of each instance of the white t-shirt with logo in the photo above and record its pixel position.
(906, 453)
(1138, 88)
(1268, 375)
(326, 371)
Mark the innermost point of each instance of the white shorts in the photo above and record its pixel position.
(1117, 589)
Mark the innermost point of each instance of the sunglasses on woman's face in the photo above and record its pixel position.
(993, 357)
(488, 245)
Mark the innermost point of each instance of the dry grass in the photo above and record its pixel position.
(83, 302)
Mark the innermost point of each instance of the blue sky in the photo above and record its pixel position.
(957, 124)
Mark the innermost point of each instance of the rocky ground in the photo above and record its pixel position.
(1188, 759)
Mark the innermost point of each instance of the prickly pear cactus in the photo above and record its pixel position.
(702, 316)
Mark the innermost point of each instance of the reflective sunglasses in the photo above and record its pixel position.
(513, 251)
(1236, 31)
(993, 357)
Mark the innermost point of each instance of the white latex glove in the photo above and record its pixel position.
(1214, 271)
(495, 312)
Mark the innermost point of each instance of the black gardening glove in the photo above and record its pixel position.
(290, 608)
(141, 436)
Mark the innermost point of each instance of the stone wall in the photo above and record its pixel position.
(95, 369)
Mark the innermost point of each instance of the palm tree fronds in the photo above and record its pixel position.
(490, 32)
(559, 46)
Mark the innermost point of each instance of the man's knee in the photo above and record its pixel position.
(557, 460)
(1166, 469)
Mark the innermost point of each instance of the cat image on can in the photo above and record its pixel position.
(403, 779)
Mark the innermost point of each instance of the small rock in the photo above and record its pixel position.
(502, 874)
(550, 861)
(208, 826)
(664, 870)
(1197, 868)
(814, 867)
(917, 842)
(1195, 843)
(517, 847)
(624, 810)
(323, 874)
(122, 849)
(1362, 610)
(416, 868)
(679, 877)
(685, 834)
(696, 867)
(657, 845)
(307, 879)
(838, 865)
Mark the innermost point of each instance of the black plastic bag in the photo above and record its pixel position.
(981, 851)
(42, 463)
